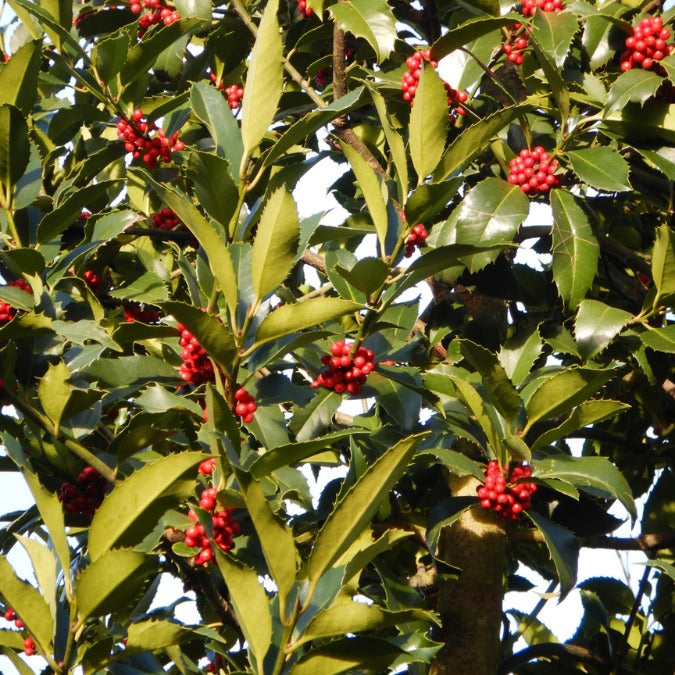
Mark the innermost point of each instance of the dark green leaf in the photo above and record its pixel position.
(519, 354)
(554, 32)
(596, 325)
(14, 147)
(633, 86)
(469, 31)
(214, 186)
(19, 77)
(372, 20)
(368, 274)
(601, 168)
(663, 262)
(109, 55)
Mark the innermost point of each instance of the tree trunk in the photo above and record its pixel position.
(471, 606)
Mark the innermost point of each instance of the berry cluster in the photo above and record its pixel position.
(411, 78)
(84, 497)
(207, 467)
(28, 643)
(165, 219)
(529, 6)
(245, 405)
(94, 281)
(7, 312)
(304, 10)
(516, 41)
(646, 45)
(196, 367)
(223, 524)
(137, 140)
(415, 238)
(134, 312)
(344, 373)
(158, 12)
(234, 93)
(501, 491)
(533, 171)
(215, 666)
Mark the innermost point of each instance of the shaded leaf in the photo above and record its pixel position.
(469, 31)
(663, 262)
(602, 168)
(660, 339)
(372, 20)
(19, 77)
(633, 86)
(14, 147)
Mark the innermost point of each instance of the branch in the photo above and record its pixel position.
(339, 89)
(548, 649)
(646, 542)
(314, 260)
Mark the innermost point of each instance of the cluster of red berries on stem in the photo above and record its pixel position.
(94, 281)
(245, 405)
(515, 43)
(207, 467)
(215, 666)
(503, 493)
(85, 496)
(133, 311)
(158, 12)
(345, 373)
(150, 149)
(416, 238)
(411, 78)
(196, 367)
(304, 9)
(530, 6)
(224, 528)
(28, 643)
(7, 312)
(166, 219)
(533, 170)
(234, 92)
(647, 45)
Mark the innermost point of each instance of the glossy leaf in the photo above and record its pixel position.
(108, 56)
(108, 584)
(468, 32)
(359, 504)
(371, 20)
(250, 603)
(659, 339)
(601, 168)
(19, 77)
(367, 275)
(585, 414)
(263, 83)
(28, 604)
(596, 325)
(14, 146)
(133, 507)
(519, 354)
(154, 634)
(663, 261)
(554, 32)
(479, 409)
(286, 319)
(214, 187)
(593, 472)
(428, 123)
(634, 86)
(575, 249)
(562, 392)
(275, 244)
(562, 546)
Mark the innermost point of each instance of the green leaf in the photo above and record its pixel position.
(194, 9)
(214, 187)
(428, 123)
(210, 107)
(519, 353)
(601, 168)
(69, 210)
(14, 147)
(554, 32)
(663, 159)
(367, 275)
(575, 249)
(132, 508)
(157, 399)
(142, 56)
(590, 472)
(263, 83)
(19, 77)
(51, 511)
(554, 79)
(634, 86)
(663, 566)
(287, 319)
(155, 634)
(474, 139)
(490, 214)
(148, 287)
(445, 513)
(596, 325)
(563, 549)
(660, 339)
(373, 189)
(346, 615)
(109, 55)
(455, 462)
(28, 604)
(468, 32)
(585, 414)
(402, 403)
(479, 409)
(276, 539)
(663, 262)
(251, 604)
(350, 655)
(562, 392)
(288, 455)
(371, 20)
(54, 391)
(17, 298)
(44, 565)
(275, 244)
(495, 382)
(359, 504)
(208, 237)
(109, 584)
